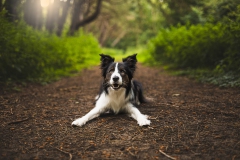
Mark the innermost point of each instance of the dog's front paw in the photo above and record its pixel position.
(79, 122)
(142, 121)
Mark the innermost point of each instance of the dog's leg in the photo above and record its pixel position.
(137, 115)
(95, 112)
(100, 107)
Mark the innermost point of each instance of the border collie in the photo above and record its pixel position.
(118, 92)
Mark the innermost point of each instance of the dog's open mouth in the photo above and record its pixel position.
(116, 86)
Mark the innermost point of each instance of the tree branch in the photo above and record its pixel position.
(90, 18)
(18, 121)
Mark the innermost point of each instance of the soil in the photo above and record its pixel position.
(189, 120)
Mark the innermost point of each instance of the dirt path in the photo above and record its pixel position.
(189, 121)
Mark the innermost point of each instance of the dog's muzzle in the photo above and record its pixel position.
(115, 84)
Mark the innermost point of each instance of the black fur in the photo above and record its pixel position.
(138, 91)
(129, 64)
(106, 60)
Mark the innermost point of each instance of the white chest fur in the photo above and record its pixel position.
(115, 100)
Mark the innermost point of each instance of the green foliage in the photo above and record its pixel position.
(26, 54)
(216, 11)
(118, 54)
(231, 61)
(213, 48)
(222, 79)
(133, 23)
(189, 46)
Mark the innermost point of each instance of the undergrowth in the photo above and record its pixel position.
(223, 79)
(118, 54)
(30, 55)
(212, 48)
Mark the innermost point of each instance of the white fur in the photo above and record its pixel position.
(116, 74)
(116, 101)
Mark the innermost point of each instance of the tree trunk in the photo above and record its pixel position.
(65, 7)
(90, 18)
(52, 16)
(11, 7)
(75, 15)
(76, 23)
(1, 5)
(33, 13)
(120, 36)
(39, 15)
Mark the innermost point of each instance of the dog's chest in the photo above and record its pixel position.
(117, 100)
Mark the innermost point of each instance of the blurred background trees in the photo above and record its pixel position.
(52, 14)
(184, 33)
(117, 23)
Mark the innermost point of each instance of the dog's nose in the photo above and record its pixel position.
(115, 79)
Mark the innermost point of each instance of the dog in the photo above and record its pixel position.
(118, 91)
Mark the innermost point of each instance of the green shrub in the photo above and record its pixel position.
(212, 48)
(231, 61)
(189, 47)
(26, 54)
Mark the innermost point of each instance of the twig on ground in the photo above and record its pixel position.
(131, 153)
(70, 155)
(18, 121)
(128, 149)
(165, 154)
(150, 117)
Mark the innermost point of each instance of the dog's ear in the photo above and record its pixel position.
(106, 60)
(131, 61)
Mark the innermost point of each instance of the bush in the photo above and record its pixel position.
(212, 48)
(26, 54)
(189, 47)
(231, 61)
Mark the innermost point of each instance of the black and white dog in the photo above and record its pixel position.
(118, 92)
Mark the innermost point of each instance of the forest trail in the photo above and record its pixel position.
(189, 121)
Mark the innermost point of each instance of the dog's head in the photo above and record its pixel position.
(118, 74)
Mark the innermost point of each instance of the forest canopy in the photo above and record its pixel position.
(115, 23)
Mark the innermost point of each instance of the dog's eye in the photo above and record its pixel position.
(111, 70)
(122, 71)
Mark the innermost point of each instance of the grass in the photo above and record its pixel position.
(118, 54)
